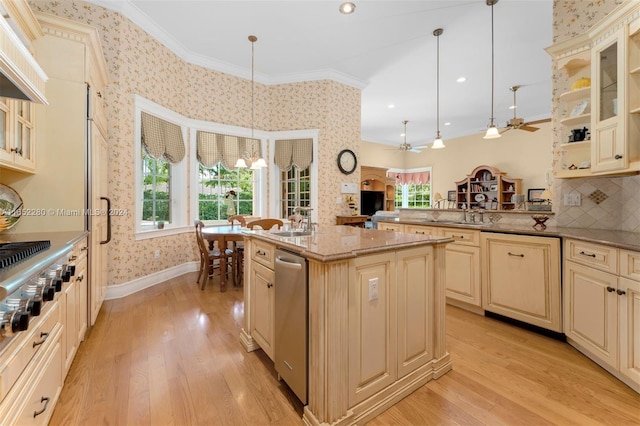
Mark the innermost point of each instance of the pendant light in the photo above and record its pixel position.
(256, 160)
(437, 142)
(492, 130)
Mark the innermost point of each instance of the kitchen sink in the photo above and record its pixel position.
(292, 233)
(457, 222)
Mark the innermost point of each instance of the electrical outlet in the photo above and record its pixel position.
(338, 200)
(373, 289)
(156, 253)
(572, 199)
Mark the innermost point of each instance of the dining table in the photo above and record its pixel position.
(223, 234)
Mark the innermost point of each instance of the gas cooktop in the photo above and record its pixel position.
(11, 253)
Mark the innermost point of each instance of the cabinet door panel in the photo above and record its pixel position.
(521, 278)
(262, 280)
(372, 335)
(463, 273)
(415, 277)
(590, 311)
(629, 307)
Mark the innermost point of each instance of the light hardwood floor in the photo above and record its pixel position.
(170, 355)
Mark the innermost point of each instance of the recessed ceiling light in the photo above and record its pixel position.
(447, 124)
(391, 106)
(347, 8)
(461, 79)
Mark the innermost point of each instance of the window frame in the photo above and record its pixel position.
(274, 171)
(405, 189)
(179, 178)
(259, 176)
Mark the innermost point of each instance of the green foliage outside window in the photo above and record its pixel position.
(224, 193)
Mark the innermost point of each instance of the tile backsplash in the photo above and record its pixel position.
(606, 203)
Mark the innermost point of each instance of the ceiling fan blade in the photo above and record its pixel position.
(506, 129)
(529, 128)
(421, 147)
(544, 120)
(414, 150)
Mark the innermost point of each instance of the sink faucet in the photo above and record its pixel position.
(308, 226)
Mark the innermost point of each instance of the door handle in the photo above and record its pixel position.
(108, 220)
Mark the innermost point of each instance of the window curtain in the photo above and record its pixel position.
(214, 148)
(419, 178)
(293, 152)
(162, 139)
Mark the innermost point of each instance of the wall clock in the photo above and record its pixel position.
(347, 161)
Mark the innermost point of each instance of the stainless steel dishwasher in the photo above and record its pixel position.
(291, 323)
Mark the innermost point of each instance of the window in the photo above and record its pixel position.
(294, 175)
(413, 188)
(295, 190)
(161, 170)
(223, 193)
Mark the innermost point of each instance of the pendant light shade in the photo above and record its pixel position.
(256, 160)
(492, 130)
(437, 143)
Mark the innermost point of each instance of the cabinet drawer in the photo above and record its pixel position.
(593, 255)
(630, 264)
(80, 249)
(41, 400)
(396, 227)
(263, 253)
(29, 344)
(468, 237)
(423, 230)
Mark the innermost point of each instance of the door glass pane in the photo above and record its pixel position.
(19, 138)
(608, 82)
(26, 148)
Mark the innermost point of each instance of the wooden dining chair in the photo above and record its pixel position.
(265, 224)
(238, 218)
(210, 258)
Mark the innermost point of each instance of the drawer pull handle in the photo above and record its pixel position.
(459, 237)
(419, 232)
(73, 257)
(516, 255)
(44, 335)
(617, 156)
(84, 248)
(261, 253)
(583, 253)
(80, 277)
(46, 402)
(621, 292)
(269, 285)
(610, 289)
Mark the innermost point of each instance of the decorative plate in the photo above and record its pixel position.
(480, 197)
(10, 207)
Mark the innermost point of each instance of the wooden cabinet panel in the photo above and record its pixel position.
(69, 306)
(630, 264)
(590, 311)
(463, 273)
(415, 324)
(521, 278)
(396, 227)
(462, 236)
(263, 253)
(422, 230)
(592, 255)
(262, 314)
(629, 324)
(372, 326)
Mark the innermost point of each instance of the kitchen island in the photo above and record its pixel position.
(376, 326)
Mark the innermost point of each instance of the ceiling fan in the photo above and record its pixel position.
(519, 123)
(404, 146)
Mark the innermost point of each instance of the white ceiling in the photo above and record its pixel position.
(386, 48)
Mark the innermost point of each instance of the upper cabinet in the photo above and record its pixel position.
(17, 141)
(597, 119)
(487, 188)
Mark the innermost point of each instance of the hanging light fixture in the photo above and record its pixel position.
(437, 142)
(256, 160)
(492, 130)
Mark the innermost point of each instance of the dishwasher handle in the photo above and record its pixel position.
(286, 264)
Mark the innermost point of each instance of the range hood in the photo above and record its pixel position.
(20, 75)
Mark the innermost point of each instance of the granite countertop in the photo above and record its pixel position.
(619, 239)
(15, 275)
(335, 242)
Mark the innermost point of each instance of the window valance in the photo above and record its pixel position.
(161, 138)
(214, 148)
(419, 178)
(293, 152)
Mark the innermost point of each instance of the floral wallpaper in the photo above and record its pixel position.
(606, 203)
(139, 64)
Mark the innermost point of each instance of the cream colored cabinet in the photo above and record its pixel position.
(521, 278)
(602, 306)
(421, 229)
(262, 294)
(73, 305)
(31, 369)
(463, 267)
(17, 135)
(609, 55)
(396, 227)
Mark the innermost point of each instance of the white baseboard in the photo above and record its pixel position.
(121, 290)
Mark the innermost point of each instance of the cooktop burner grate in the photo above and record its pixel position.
(11, 253)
